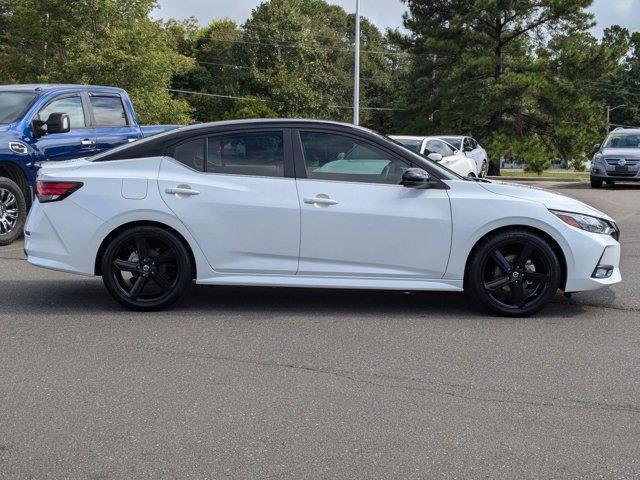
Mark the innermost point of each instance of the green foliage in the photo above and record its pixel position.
(525, 77)
(101, 42)
(488, 69)
(254, 108)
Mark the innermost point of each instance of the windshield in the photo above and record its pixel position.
(455, 141)
(413, 145)
(623, 140)
(444, 172)
(13, 105)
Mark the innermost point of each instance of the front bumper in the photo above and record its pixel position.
(617, 178)
(589, 252)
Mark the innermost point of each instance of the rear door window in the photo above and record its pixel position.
(108, 111)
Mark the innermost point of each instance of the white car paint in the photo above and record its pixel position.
(454, 159)
(247, 230)
(471, 148)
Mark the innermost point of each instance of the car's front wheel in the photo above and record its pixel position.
(514, 273)
(13, 211)
(146, 268)
(484, 169)
(595, 183)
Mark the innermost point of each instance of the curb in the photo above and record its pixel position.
(535, 179)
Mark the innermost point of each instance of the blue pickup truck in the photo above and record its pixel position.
(56, 122)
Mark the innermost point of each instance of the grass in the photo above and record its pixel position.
(564, 174)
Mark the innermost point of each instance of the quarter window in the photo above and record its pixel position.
(191, 154)
(108, 111)
(250, 153)
(330, 156)
(72, 106)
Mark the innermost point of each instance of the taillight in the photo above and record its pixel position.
(55, 191)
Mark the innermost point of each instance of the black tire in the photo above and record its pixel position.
(484, 169)
(13, 211)
(514, 273)
(595, 183)
(146, 268)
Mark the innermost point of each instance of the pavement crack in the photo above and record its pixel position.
(423, 387)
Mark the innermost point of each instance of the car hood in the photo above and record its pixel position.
(621, 152)
(551, 200)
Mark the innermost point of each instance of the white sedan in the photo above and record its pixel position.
(472, 149)
(440, 151)
(295, 203)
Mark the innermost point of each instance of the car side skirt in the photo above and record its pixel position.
(308, 281)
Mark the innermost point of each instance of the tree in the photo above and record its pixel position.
(102, 41)
(475, 69)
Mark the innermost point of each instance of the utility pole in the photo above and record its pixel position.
(356, 70)
(609, 110)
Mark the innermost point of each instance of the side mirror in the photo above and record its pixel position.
(416, 178)
(596, 147)
(58, 123)
(436, 157)
(468, 148)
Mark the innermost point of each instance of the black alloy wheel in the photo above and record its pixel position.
(514, 273)
(146, 268)
(13, 211)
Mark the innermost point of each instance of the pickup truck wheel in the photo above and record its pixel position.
(13, 211)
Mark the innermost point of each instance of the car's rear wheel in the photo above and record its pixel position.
(514, 273)
(146, 268)
(13, 211)
(595, 183)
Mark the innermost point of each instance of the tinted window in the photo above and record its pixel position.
(72, 106)
(438, 146)
(251, 153)
(331, 156)
(474, 144)
(192, 154)
(13, 105)
(108, 111)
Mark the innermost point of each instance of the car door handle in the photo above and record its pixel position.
(320, 201)
(182, 191)
(87, 142)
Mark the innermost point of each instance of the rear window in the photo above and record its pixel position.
(108, 111)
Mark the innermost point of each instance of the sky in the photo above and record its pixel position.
(384, 13)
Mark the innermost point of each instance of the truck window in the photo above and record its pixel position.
(72, 106)
(108, 112)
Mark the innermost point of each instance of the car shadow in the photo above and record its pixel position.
(89, 297)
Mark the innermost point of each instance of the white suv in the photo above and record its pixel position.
(471, 149)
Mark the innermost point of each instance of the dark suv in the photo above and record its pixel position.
(617, 159)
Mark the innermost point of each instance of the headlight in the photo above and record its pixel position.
(597, 158)
(587, 222)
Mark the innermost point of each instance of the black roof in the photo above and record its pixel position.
(158, 144)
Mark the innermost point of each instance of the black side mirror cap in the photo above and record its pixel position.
(596, 147)
(58, 123)
(416, 178)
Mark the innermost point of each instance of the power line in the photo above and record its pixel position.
(233, 97)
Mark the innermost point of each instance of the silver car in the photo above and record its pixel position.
(617, 159)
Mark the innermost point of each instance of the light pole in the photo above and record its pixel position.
(356, 70)
(609, 110)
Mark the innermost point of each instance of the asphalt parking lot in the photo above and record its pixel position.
(288, 383)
